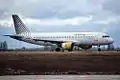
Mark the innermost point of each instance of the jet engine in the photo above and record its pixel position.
(67, 45)
(85, 46)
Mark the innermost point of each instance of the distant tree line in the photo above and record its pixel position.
(3, 45)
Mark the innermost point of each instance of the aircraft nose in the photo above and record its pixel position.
(111, 40)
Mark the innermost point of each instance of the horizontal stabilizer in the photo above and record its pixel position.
(14, 36)
(7, 35)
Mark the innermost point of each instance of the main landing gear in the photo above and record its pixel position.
(58, 49)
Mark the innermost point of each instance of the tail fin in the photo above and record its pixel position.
(19, 25)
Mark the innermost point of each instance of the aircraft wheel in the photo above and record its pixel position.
(62, 50)
(99, 49)
(69, 50)
(57, 49)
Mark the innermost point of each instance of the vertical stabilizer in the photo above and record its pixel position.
(19, 25)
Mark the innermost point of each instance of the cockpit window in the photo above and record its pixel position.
(105, 36)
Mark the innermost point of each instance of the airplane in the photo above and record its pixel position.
(62, 40)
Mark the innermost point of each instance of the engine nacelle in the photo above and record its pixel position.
(85, 46)
(67, 45)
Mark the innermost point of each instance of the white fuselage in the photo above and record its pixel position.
(79, 38)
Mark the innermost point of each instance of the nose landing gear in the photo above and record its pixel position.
(99, 49)
(110, 47)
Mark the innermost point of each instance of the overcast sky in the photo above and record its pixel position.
(61, 15)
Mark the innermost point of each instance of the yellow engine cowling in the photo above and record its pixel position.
(67, 45)
(85, 46)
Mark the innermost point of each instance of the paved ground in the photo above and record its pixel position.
(62, 77)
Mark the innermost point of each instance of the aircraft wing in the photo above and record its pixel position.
(52, 41)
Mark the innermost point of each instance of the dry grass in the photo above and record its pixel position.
(60, 62)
